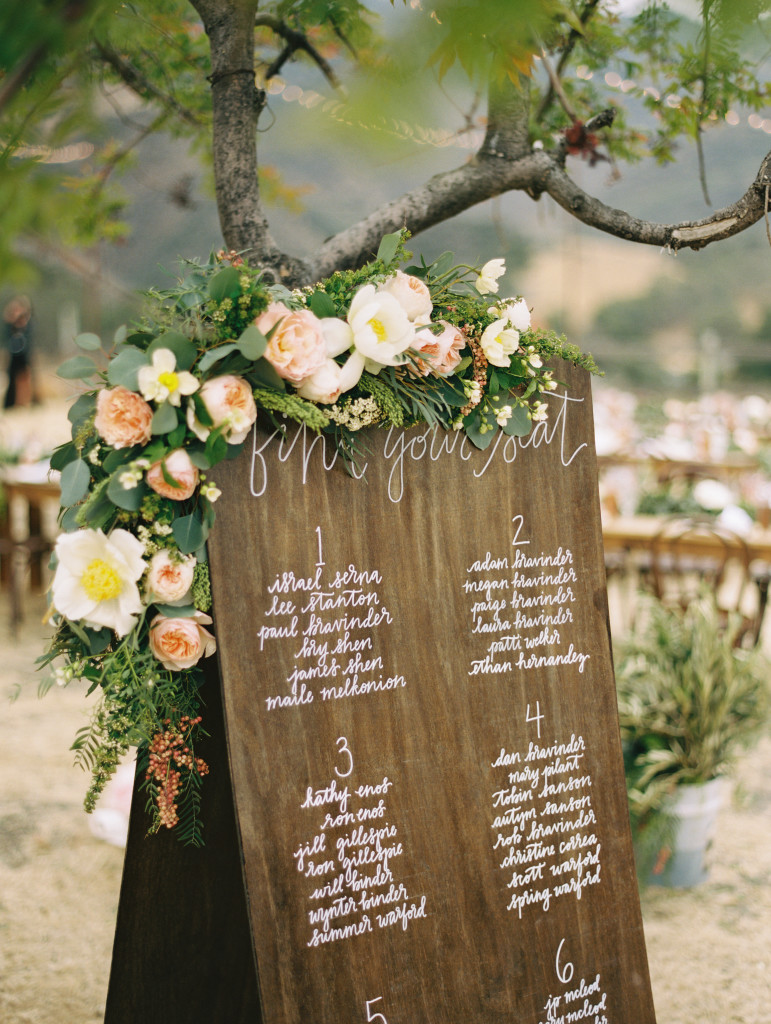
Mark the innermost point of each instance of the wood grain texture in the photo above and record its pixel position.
(407, 856)
(434, 732)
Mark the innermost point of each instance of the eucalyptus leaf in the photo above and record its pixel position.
(322, 305)
(98, 639)
(171, 611)
(78, 368)
(442, 264)
(119, 338)
(266, 374)
(388, 247)
(81, 409)
(119, 457)
(123, 369)
(199, 458)
(519, 423)
(225, 284)
(69, 520)
(189, 533)
(62, 455)
(75, 479)
(213, 355)
(479, 439)
(252, 343)
(165, 419)
(184, 350)
(130, 499)
(89, 342)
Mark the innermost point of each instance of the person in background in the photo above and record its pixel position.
(18, 340)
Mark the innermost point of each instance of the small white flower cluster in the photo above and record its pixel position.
(210, 490)
(131, 477)
(503, 415)
(363, 412)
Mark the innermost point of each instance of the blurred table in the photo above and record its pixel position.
(636, 533)
(29, 529)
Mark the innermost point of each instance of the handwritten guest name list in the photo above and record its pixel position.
(544, 823)
(520, 604)
(579, 1002)
(332, 618)
(350, 857)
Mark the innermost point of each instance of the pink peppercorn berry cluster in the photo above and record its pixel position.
(169, 748)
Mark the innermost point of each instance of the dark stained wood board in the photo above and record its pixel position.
(402, 843)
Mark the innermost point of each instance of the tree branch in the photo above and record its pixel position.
(142, 86)
(236, 103)
(295, 40)
(447, 194)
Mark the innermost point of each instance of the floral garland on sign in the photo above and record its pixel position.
(130, 596)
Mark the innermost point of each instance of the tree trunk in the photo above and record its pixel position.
(236, 105)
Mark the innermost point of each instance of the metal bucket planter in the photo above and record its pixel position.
(694, 811)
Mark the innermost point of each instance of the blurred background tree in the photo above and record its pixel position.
(313, 127)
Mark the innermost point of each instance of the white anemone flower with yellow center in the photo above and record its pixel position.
(96, 578)
(498, 342)
(381, 329)
(162, 381)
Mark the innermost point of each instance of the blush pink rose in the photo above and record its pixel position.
(181, 643)
(182, 472)
(169, 579)
(123, 417)
(230, 403)
(296, 348)
(440, 352)
(458, 341)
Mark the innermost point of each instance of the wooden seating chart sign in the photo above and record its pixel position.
(421, 721)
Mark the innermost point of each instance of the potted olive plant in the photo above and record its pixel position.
(689, 701)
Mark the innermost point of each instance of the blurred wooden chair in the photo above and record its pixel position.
(691, 552)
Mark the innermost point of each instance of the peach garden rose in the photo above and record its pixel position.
(296, 349)
(123, 418)
(181, 470)
(230, 403)
(169, 577)
(181, 643)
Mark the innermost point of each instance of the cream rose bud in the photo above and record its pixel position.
(230, 403)
(516, 312)
(296, 347)
(488, 277)
(181, 643)
(412, 294)
(123, 418)
(181, 470)
(332, 380)
(169, 579)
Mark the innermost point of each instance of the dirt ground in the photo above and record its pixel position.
(709, 947)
